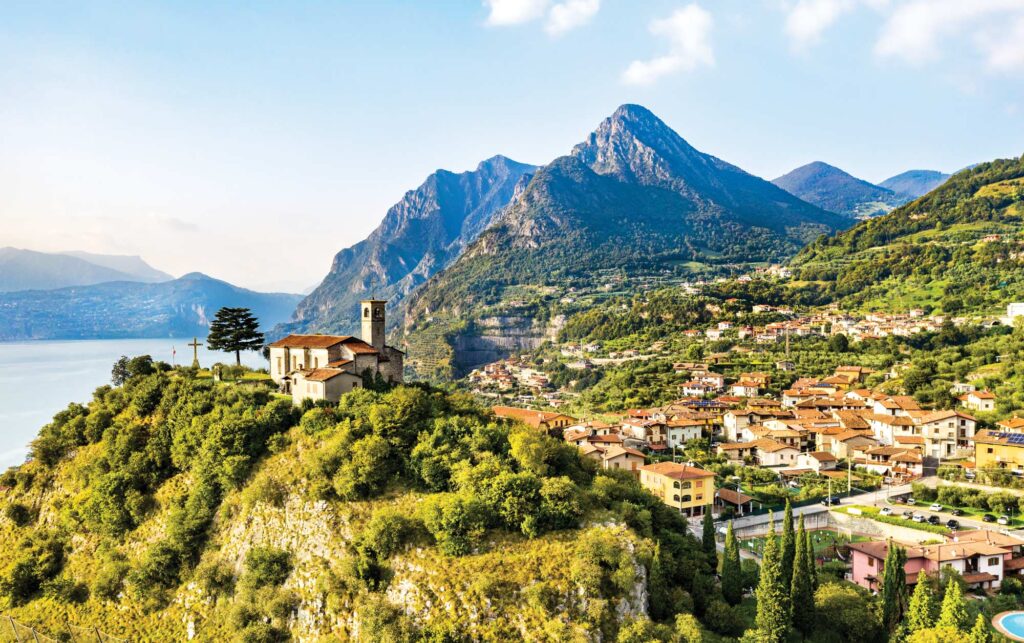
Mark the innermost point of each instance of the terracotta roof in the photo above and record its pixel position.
(735, 446)
(771, 446)
(849, 435)
(677, 471)
(310, 341)
(527, 416)
(983, 395)
(616, 451)
(736, 497)
(1013, 564)
(611, 438)
(822, 456)
(910, 439)
(1013, 424)
(324, 374)
(978, 577)
(338, 363)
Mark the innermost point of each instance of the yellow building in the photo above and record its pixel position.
(691, 490)
(999, 450)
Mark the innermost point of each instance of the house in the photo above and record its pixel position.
(979, 401)
(745, 388)
(682, 430)
(619, 457)
(980, 559)
(772, 453)
(817, 461)
(548, 421)
(999, 450)
(736, 452)
(689, 489)
(696, 388)
(324, 367)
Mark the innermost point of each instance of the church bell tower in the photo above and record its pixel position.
(373, 322)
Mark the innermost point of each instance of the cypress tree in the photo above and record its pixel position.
(732, 572)
(921, 613)
(954, 610)
(980, 632)
(894, 587)
(812, 566)
(772, 617)
(707, 541)
(788, 545)
(801, 595)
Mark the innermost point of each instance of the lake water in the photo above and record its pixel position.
(37, 379)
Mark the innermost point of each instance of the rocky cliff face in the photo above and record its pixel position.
(419, 236)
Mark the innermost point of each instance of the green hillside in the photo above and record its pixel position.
(174, 507)
(956, 249)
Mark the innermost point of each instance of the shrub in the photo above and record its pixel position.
(18, 513)
(158, 569)
(317, 420)
(266, 566)
(720, 617)
(456, 522)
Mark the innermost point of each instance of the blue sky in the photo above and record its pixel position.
(254, 140)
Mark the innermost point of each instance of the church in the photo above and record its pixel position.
(324, 367)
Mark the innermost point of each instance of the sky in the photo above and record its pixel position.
(253, 140)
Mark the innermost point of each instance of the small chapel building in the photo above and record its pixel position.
(324, 367)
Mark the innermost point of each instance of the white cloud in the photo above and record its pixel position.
(689, 33)
(918, 31)
(808, 19)
(559, 18)
(570, 14)
(514, 12)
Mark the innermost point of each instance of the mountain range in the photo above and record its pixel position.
(30, 270)
(915, 183)
(420, 235)
(832, 189)
(955, 249)
(129, 309)
(634, 198)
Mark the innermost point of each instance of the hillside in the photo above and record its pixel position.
(915, 183)
(633, 201)
(30, 270)
(179, 308)
(956, 249)
(834, 190)
(420, 235)
(175, 508)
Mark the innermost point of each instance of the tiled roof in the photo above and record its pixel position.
(677, 471)
(310, 341)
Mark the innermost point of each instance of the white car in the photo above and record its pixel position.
(1003, 520)
(918, 518)
(936, 507)
(886, 511)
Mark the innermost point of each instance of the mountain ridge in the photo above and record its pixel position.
(418, 236)
(915, 183)
(22, 269)
(835, 190)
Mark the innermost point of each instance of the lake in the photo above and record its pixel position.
(37, 379)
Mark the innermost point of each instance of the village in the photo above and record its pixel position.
(868, 466)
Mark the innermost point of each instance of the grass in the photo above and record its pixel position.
(872, 513)
(822, 540)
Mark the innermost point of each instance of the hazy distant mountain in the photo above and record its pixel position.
(834, 190)
(178, 308)
(30, 270)
(128, 264)
(633, 198)
(420, 235)
(915, 183)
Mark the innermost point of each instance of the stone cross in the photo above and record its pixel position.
(195, 351)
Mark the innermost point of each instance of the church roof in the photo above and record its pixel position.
(310, 341)
(324, 374)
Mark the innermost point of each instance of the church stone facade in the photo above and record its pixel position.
(324, 367)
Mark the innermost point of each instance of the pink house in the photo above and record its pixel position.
(982, 557)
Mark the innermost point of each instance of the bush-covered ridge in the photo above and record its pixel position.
(172, 505)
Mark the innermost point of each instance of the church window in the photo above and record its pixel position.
(280, 366)
(316, 362)
(366, 312)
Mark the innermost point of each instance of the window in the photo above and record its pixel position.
(675, 497)
(687, 485)
(295, 361)
(675, 485)
(700, 483)
(700, 496)
(992, 562)
(686, 498)
(316, 362)
(280, 365)
(871, 561)
(990, 449)
(366, 312)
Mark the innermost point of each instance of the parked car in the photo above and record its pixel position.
(829, 501)
(886, 511)
(1003, 520)
(936, 507)
(988, 518)
(953, 523)
(911, 501)
(970, 475)
(957, 512)
(933, 519)
(908, 514)
(918, 518)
